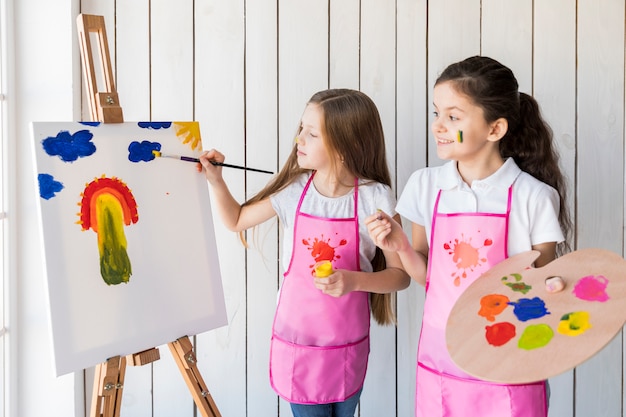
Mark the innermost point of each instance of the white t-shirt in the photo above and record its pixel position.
(372, 196)
(534, 216)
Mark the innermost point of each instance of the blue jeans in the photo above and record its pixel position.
(343, 409)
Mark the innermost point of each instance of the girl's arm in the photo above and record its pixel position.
(234, 216)
(387, 234)
(547, 253)
(392, 278)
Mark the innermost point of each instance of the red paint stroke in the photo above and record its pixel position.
(499, 333)
(491, 305)
(103, 185)
(592, 288)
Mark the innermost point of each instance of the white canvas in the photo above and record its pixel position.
(130, 253)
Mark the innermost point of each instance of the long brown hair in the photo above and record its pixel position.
(352, 130)
(493, 87)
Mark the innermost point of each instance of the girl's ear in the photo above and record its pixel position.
(498, 129)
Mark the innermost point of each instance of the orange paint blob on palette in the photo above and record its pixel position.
(491, 305)
(507, 328)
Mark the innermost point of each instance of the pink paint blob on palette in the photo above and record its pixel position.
(507, 328)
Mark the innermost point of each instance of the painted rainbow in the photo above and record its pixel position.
(107, 205)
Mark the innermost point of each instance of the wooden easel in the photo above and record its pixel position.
(104, 106)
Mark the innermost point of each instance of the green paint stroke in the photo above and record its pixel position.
(115, 266)
(535, 336)
(517, 286)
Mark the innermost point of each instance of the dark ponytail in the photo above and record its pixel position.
(531, 145)
(529, 142)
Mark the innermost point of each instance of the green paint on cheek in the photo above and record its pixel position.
(535, 336)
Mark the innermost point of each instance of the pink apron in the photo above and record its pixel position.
(320, 343)
(462, 247)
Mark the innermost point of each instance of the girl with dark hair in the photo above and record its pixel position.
(335, 176)
(501, 193)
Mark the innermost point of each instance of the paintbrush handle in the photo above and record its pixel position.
(192, 159)
(240, 167)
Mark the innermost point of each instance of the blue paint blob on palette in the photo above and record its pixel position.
(506, 327)
(529, 308)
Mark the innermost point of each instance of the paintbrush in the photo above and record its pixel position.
(192, 159)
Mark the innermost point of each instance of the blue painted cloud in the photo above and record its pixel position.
(94, 124)
(48, 186)
(69, 147)
(142, 151)
(154, 125)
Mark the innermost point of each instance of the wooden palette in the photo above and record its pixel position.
(507, 328)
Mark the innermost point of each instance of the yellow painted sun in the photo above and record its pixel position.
(189, 132)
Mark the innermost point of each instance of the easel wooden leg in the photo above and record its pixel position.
(109, 382)
(108, 386)
(109, 379)
(185, 358)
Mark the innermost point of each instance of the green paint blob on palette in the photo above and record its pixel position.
(507, 328)
(535, 336)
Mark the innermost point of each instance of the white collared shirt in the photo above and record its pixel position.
(534, 205)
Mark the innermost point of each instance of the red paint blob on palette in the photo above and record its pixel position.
(499, 333)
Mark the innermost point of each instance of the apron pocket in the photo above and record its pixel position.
(317, 374)
(449, 396)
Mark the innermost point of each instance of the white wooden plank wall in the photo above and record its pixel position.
(245, 70)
